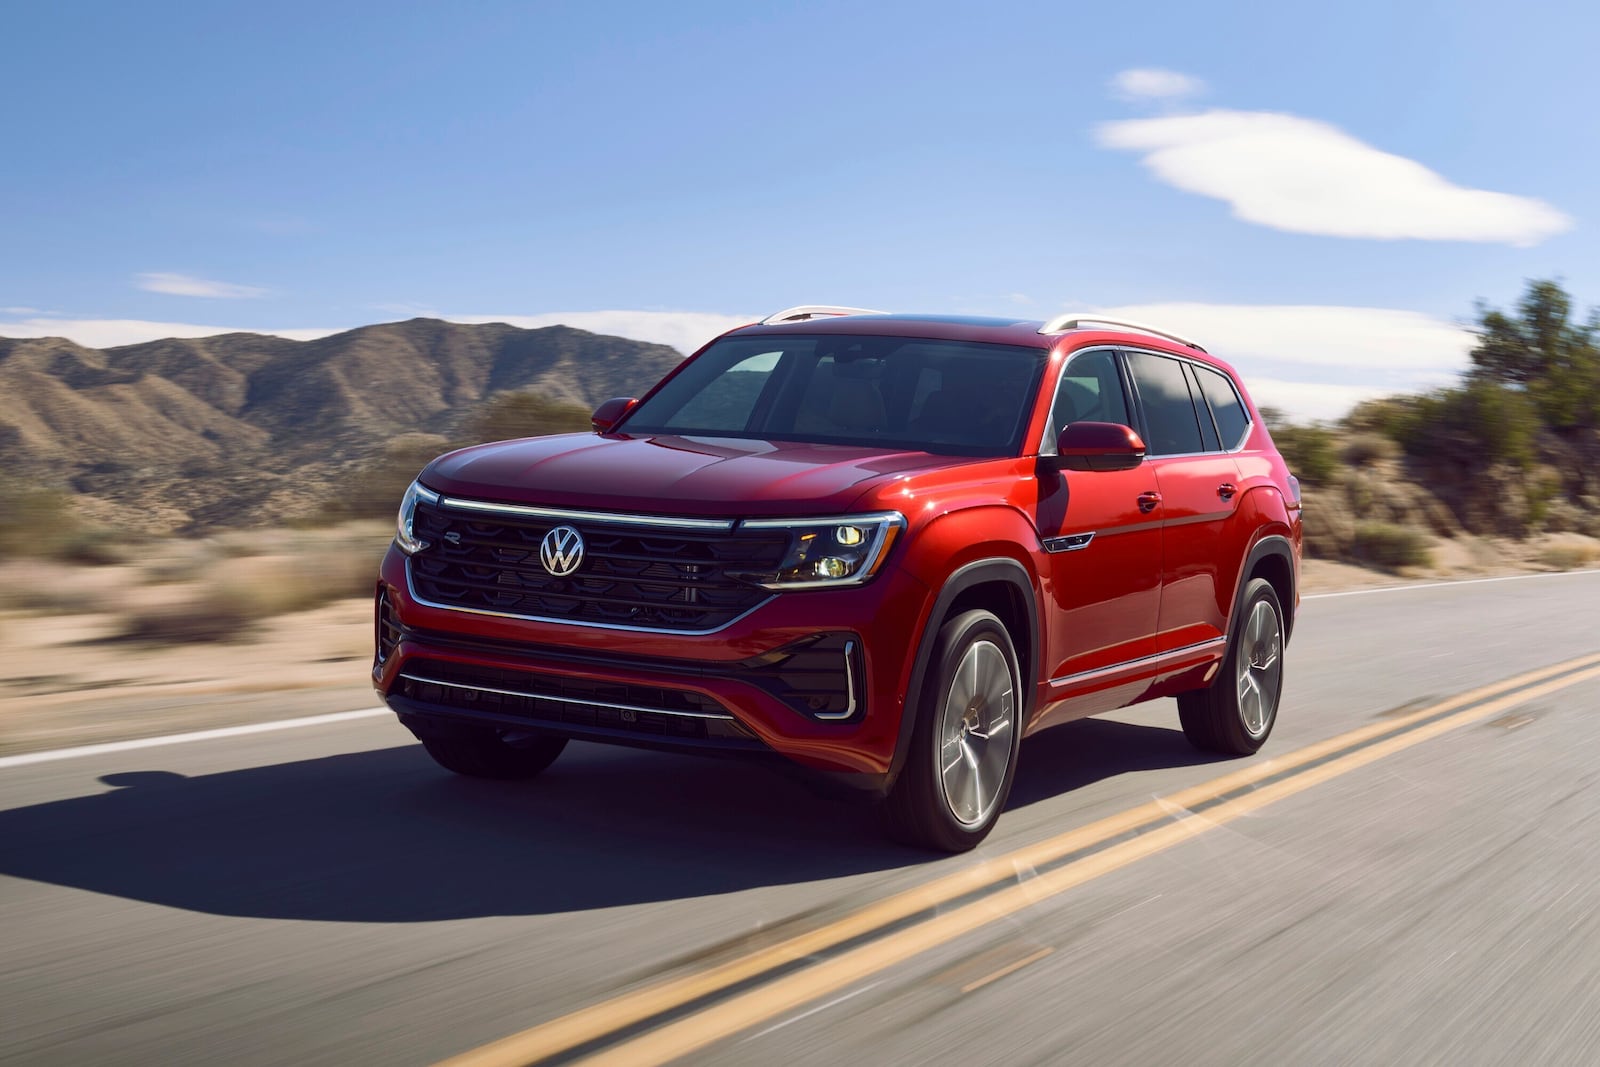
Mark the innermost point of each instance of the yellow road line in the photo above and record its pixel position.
(630, 1008)
(792, 991)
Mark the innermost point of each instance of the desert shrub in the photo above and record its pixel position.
(93, 545)
(1388, 545)
(1567, 555)
(1365, 449)
(237, 594)
(524, 414)
(1309, 451)
(1478, 424)
(373, 489)
(1388, 416)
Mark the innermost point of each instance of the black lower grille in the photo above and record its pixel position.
(554, 701)
(668, 579)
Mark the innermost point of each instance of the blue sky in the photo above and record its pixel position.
(1319, 191)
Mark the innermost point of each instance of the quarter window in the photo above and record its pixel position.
(1232, 422)
(1173, 427)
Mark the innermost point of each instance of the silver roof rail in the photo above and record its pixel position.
(1075, 320)
(812, 311)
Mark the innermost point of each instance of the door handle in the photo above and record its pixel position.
(1148, 502)
(1226, 490)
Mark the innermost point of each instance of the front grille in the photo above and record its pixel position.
(555, 700)
(661, 579)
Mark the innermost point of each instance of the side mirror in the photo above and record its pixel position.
(610, 413)
(1096, 446)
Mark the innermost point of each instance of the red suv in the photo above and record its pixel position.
(880, 547)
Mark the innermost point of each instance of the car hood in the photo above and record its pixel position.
(673, 475)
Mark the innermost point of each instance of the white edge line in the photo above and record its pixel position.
(109, 747)
(1446, 585)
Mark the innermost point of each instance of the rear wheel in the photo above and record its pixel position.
(1236, 712)
(487, 756)
(964, 747)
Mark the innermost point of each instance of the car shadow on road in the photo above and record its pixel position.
(385, 836)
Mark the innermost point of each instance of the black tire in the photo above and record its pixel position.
(918, 810)
(1216, 718)
(486, 756)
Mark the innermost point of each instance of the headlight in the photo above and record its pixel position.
(843, 550)
(404, 535)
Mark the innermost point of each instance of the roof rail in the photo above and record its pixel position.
(1075, 320)
(812, 311)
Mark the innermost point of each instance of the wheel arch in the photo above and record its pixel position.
(1272, 558)
(1001, 585)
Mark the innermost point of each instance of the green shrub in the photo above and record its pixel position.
(1384, 544)
(1365, 449)
(524, 414)
(1478, 424)
(373, 489)
(1309, 451)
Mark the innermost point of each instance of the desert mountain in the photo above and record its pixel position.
(168, 427)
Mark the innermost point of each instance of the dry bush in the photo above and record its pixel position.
(1365, 449)
(235, 594)
(50, 589)
(1384, 544)
(1567, 555)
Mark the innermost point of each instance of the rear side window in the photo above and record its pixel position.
(1232, 422)
(1170, 418)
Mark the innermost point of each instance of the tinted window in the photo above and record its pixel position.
(900, 392)
(1208, 429)
(1171, 423)
(1090, 391)
(1232, 422)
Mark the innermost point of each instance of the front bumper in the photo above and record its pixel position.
(760, 686)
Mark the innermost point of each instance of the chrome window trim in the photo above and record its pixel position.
(723, 716)
(1249, 420)
(417, 598)
(565, 515)
(1174, 653)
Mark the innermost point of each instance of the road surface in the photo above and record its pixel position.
(1425, 888)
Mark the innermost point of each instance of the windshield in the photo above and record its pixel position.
(889, 392)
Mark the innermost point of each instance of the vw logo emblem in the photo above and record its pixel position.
(561, 551)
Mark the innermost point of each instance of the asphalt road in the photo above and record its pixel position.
(326, 895)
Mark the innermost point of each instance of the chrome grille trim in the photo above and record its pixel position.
(528, 511)
(568, 700)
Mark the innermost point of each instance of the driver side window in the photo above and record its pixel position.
(1090, 391)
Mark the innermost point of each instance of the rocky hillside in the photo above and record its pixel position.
(242, 428)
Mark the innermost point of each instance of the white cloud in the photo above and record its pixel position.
(1325, 335)
(1317, 361)
(187, 285)
(683, 330)
(1150, 83)
(108, 333)
(1305, 176)
(19, 311)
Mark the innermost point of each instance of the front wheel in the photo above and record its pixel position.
(964, 747)
(1236, 712)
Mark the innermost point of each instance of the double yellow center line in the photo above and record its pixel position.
(672, 1018)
